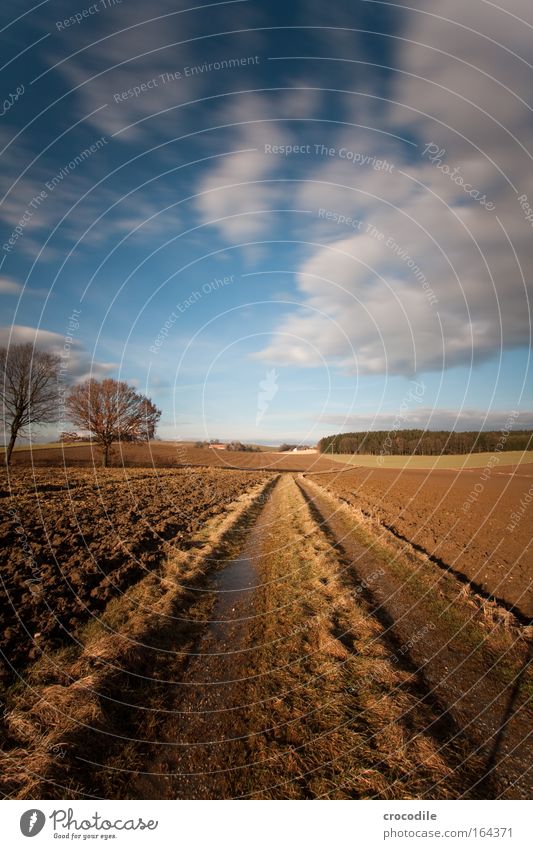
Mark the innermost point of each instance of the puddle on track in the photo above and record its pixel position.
(235, 587)
(228, 630)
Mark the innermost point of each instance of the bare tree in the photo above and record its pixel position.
(113, 412)
(29, 389)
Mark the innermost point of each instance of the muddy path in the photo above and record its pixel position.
(292, 689)
(282, 658)
(204, 742)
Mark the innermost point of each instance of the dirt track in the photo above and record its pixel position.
(286, 652)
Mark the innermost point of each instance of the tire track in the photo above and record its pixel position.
(291, 692)
(480, 673)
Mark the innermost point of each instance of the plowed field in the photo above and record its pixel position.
(70, 545)
(283, 652)
(170, 454)
(463, 519)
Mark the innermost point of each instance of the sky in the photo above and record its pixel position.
(277, 220)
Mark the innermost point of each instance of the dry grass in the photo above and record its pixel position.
(324, 708)
(345, 720)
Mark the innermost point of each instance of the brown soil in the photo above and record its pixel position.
(71, 543)
(457, 518)
(477, 670)
(165, 454)
(274, 643)
(293, 694)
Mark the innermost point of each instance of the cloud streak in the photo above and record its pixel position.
(470, 102)
(78, 364)
(431, 419)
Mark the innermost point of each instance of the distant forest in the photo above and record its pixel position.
(409, 442)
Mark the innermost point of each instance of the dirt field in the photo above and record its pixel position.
(170, 454)
(216, 633)
(69, 545)
(459, 518)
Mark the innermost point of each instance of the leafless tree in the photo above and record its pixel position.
(112, 411)
(28, 391)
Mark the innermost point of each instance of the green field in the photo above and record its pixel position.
(446, 461)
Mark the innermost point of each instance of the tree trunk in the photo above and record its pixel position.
(105, 455)
(11, 445)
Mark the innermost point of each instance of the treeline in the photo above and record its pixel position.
(408, 442)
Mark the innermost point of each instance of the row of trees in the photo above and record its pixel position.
(412, 441)
(108, 410)
(230, 446)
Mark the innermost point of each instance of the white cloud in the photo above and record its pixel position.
(9, 287)
(369, 294)
(78, 363)
(434, 419)
(12, 287)
(140, 46)
(238, 186)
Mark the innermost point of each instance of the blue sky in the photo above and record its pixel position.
(326, 199)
